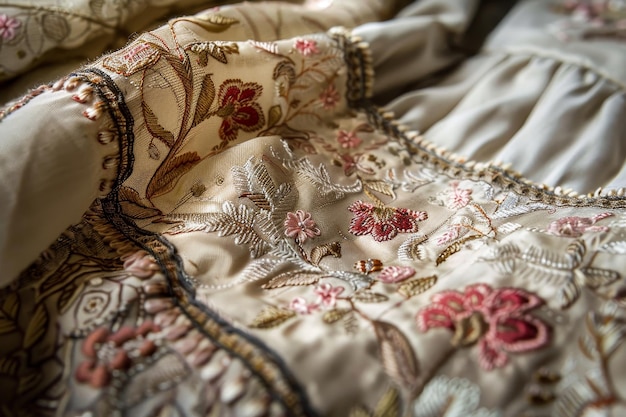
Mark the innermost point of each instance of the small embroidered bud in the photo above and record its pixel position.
(371, 265)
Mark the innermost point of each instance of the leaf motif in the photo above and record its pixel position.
(37, 326)
(285, 68)
(213, 22)
(271, 47)
(381, 187)
(29, 381)
(7, 325)
(598, 277)
(412, 249)
(135, 211)
(369, 297)
(397, 355)
(134, 206)
(454, 248)
(9, 366)
(259, 200)
(417, 286)
(292, 279)
(68, 295)
(388, 405)
(11, 305)
(271, 317)
(614, 248)
(205, 99)
(321, 251)
(55, 27)
(504, 213)
(335, 314)
(273, 115)
(168, 173)
(156, 130)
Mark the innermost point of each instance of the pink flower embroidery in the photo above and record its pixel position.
(497, 319)
(576, 226)
(458, 197)
(8, 27)
(300, 306)
(383, 223)
(327, 294)
(306, 46)
(348, 139)
(301, 226)
(238, 108)
(394, 274)
(329, 97)
(106, 352)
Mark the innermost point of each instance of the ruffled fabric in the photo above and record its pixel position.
(547, 106)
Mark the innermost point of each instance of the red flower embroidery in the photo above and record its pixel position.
(106, 352)
(238, 108)
(576, 226)
(383, 223)
(329, 97)
(306, 46)
(301, 226)
(497, 320)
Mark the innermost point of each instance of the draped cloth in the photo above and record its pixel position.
(274, 209)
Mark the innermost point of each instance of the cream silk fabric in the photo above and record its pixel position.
(217, 220)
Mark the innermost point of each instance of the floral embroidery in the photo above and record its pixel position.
(591, 18)
(575, 226)
(8, 27)
(106, 352)
(348, 139)
(301, 226)
(458, 197)
(354, 163)
(452, 397)
(132, 59)
(301, 306)
(306, 46)
(383, 223)
(496, 319)
(327, 294)
(238, 108)
(329, 97)
(394, 274)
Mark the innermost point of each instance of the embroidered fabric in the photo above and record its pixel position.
(247, 234)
